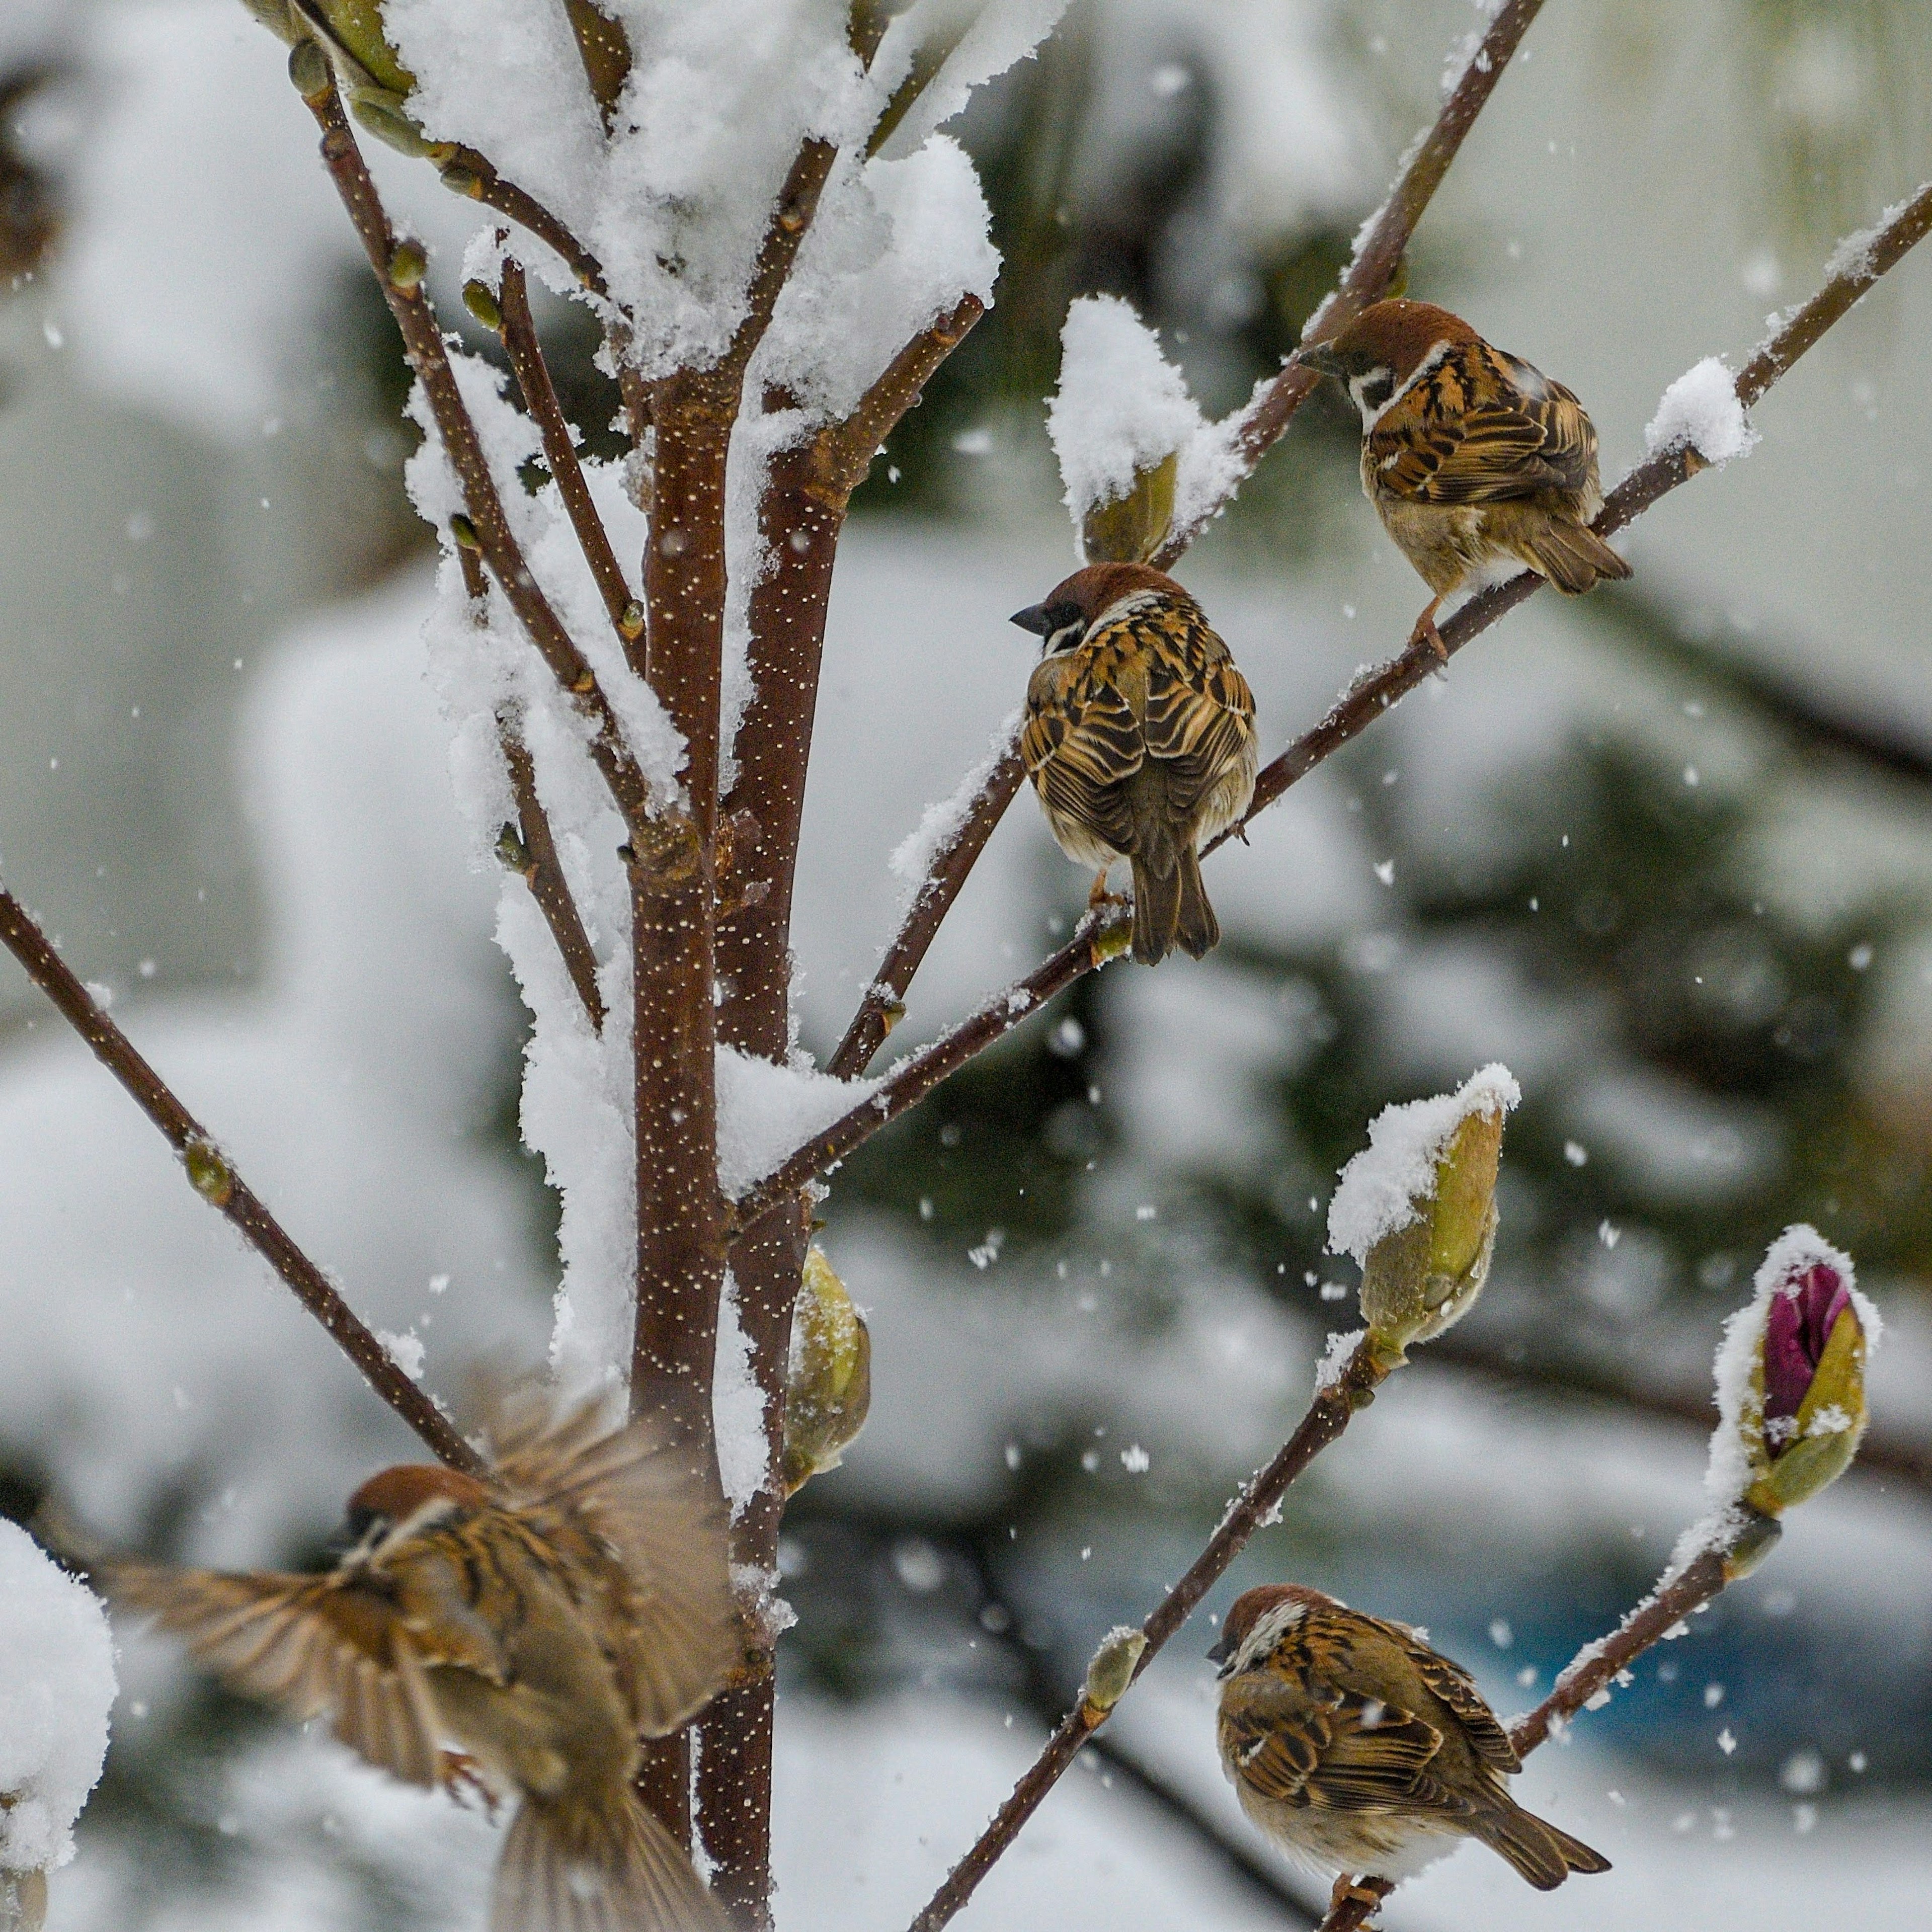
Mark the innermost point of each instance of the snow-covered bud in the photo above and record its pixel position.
(1112, 1668)
(1136, 455)
(829, 1383)
(1130, 529)
(1791, 1377)
(1416, 1208)
(211, 1177)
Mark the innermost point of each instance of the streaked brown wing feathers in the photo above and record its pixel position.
(310, 1645)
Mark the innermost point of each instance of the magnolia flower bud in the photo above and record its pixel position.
(1112, 1668)
(828, 1384)
(1416, 1208)
(354, 28)
(1791, 1388)
(1130, 529)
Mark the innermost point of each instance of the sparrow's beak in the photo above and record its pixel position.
(1321, 357)
(1218, 1651)
(1037, 618)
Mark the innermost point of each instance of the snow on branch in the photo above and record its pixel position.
(1122, 416)
(1700, 411)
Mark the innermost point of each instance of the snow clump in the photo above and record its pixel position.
(57, 1685)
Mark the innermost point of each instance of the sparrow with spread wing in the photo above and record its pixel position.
(1140, 739)
(1471, 457)
(1358, 1749)
(540, 1619)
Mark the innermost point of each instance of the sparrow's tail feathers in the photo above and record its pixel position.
(1544, 1856)
(572, 1869)
(1157, 889)
(1574, 557)
(1198, 930)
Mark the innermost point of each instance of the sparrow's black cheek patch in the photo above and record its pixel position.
(1378, 389)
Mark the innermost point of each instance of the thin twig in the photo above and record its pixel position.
(1377, 256)
(916, 1075)
(532, 374)
(1365, 701)
(542, 870)
(1589, 1674)
(1261, 426)
(398, 271)
(475, 177)
(1327, 1418)
(213, 1176)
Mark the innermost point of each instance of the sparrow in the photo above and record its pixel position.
(1472, 458)
(1140, 739)
(539, 1619)
(1357, 1749)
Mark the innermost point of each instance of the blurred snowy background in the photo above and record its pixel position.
(1668, 852)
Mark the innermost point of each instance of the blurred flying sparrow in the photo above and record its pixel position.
(1140, 739)
(1358, 1749)
(1472, 458)
(541, 1620)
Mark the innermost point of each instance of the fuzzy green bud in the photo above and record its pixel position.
(829, 1383)
(211, 1177)
(630, 620)
(1417, 1209)
(309, 70)
(382, 114)
(1130, 529)
(356, 27)
(408, 264)
(464, 532)
(480, 299)
(1112, 1668)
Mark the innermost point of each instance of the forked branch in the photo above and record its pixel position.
(1367, 277)
(1327, 1416)
(1366, 700)
(1587, 1678)
(398, 267)
(213, 1176)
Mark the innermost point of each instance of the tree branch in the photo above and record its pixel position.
(475, 177)
(1378, 254)
(537, 859)
(1261, 426)
(211, 1176)
(398, 269)
(1327, 1418)
(519, 336)
(1365, 701)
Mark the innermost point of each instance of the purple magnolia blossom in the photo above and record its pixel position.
(1798, 1325)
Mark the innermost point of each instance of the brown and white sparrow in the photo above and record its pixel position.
(1472, 458)
(1358, 1749)
(1140, 739)
(540, 1620)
